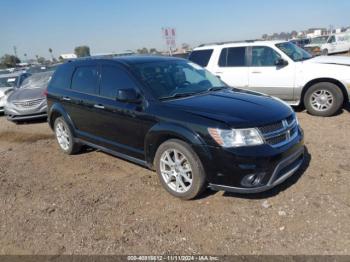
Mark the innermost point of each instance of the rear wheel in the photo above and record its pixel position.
(65, 137)
(323, 99)
(179, 169)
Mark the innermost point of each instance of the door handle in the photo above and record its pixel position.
(66, 98)
(99, 106)
(256, 72)
(218, 72)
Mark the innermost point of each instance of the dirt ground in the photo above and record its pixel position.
(93, 203)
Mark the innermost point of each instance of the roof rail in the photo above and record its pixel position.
(231, 42)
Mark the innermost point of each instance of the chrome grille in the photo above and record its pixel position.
(280, 133)
(29, 103)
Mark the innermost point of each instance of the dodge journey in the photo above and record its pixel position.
(173, 116)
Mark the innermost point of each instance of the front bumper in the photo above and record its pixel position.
(21, 114)
(228, 169)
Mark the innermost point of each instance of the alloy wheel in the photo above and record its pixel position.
(176, 171)
(62, 136)
(322, 100)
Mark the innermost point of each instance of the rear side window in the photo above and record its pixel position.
(201, 57)
(85, 79)
(232, 57)
(61, 78)
(112, 79)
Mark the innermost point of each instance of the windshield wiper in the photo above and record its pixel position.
(217, 88)
(178, 95)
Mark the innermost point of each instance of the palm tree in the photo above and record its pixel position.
(50, 50)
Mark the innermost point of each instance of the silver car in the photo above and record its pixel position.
(9, 82)
(29, 101)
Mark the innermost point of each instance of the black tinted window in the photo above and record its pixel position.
(264, 56)
(62, 76)
(85, 79)
(114, 78)
(232, 57)
(201, 57)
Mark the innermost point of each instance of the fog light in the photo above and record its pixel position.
(252, 180)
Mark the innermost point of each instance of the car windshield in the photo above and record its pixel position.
(37, 80)
(294, 52)
(6, 82)
(170, 79)
(319, 40)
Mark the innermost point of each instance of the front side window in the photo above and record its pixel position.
(331, 39)
(201, 57)
(232, 57)
(112, 79)
(176, 78)
(294, 52)
(264, 56)
(85, 79)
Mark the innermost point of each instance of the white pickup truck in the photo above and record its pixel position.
(280, 69)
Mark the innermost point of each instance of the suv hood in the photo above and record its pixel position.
(235, 108)
(334, 60)
(26, 94)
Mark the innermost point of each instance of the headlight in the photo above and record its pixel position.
(236, 137)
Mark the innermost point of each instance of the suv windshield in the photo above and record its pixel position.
(294, 52)
(171, 79)
(8, 82)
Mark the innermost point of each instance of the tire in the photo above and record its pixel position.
(316, 95)
(190, 161)
(64, 137)
(325, 52)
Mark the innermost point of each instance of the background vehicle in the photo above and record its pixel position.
(40, 69)
(8, 82)
(314, 47)
(172, 115)
(336, 43)
(29, 101)
(280, 69)
(301, 42)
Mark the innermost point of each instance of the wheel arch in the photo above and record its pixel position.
(320, 80)
(56, 111)
(162, 132)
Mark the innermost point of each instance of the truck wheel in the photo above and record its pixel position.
(179, 169)
(65, 138)
(325, 52)
(323, 99)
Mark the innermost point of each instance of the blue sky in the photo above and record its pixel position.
(119, 25)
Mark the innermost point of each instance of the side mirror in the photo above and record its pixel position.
(128, 96)
(281, 62)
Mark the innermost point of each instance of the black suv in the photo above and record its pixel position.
(173, 116)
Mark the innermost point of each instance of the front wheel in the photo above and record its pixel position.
(179, 169)
(323, 99)
(325, 52)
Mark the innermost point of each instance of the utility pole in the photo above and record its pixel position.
(15, 50)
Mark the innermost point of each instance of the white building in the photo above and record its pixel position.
(68, 56)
